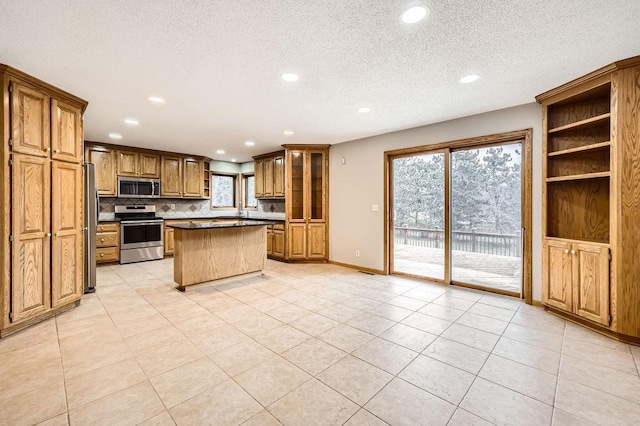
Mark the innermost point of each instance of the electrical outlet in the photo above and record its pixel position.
(357, 253)
(173, 206)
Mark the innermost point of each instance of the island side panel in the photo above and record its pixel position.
(203, 255)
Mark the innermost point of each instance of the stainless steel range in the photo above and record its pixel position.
(141, 233)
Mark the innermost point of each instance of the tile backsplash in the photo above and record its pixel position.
(185, 208)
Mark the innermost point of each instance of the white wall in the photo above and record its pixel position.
(358, 184)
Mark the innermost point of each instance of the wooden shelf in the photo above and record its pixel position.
(591, 147)
(579, 177)
(593, 121)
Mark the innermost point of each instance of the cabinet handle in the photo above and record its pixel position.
(573, 252)
(566, 251)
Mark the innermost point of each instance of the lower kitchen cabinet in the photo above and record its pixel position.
(276, 241)
(577, 278)
(108, 242)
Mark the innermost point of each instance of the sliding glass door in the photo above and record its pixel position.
(457, 215)
(418, 215)
(486, 217)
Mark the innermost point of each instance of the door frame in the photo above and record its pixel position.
(525, 136)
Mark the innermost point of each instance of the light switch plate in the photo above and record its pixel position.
(374, 208)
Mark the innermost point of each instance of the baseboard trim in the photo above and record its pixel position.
(537, 303)
(358, 268)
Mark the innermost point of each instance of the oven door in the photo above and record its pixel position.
(140, 234)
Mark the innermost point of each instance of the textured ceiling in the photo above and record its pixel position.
(217, 63)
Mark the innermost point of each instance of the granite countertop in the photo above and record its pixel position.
(222, 217)
(214, 225)
(108, 220)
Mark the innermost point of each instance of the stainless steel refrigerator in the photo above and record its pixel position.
(91, 211)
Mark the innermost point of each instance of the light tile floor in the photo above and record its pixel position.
(310, 344)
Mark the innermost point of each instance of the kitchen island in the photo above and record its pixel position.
(208, 251)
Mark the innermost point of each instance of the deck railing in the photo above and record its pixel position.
(498, 244)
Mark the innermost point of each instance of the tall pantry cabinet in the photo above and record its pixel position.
(41, 232)
(591, 200)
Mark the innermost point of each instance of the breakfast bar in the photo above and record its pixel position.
(213, 250)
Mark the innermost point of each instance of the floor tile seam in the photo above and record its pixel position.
(526, 365)
(64, 377)
(448, 363)
(356, 403)
(614, 368)
(486, 316)
(637, 403)
(519, 392)
(469, 412)
(530, 343)
(514, 311)
(599, 390)
(419, 388)
(601, 345)
(605, 366)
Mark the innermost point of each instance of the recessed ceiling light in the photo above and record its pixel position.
(131, 121)
(469, 78)
(289, 76)
(115, 135)
(364, 109)
(288, 132)
(156, 99)
(233, 160)
(414, 14)
(249, 143)
(220, 151)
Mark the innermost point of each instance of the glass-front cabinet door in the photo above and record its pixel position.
(316, 186)
(297, 195)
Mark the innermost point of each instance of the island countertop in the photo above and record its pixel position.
(226, 224)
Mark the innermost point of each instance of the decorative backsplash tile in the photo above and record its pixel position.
(185, 208)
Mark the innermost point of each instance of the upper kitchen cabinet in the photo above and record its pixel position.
(105, 165)
(171, 177)
(30, 124)
(66, 131)
(269, 172)
(138, 164)
(41, 218)
(193, 180)
(307, 188)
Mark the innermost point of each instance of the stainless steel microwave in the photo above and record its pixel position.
(138, 188)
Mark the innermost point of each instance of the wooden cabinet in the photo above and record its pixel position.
(31, 235)
(269, 173)
(590, 196)
(577, 279)
(139, 164)
(306, 201)
(66, 132)
(104, 160)
(108, 242)
(31, 128)
(67, 225)
(41, 218)
(180, 175)
(193, 181)
(258, 170)
(171, 177)
(276, 241)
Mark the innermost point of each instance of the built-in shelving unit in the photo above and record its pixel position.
(207, 179)
(591, 207)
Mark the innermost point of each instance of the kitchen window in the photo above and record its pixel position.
(224, 190)
(249, 191)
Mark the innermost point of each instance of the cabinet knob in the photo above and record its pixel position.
(101, 254)
(48, 149)
(57, 234)
(566, 251)
(57, 151)
(573, 252)
(49, 234)
(102, 240)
